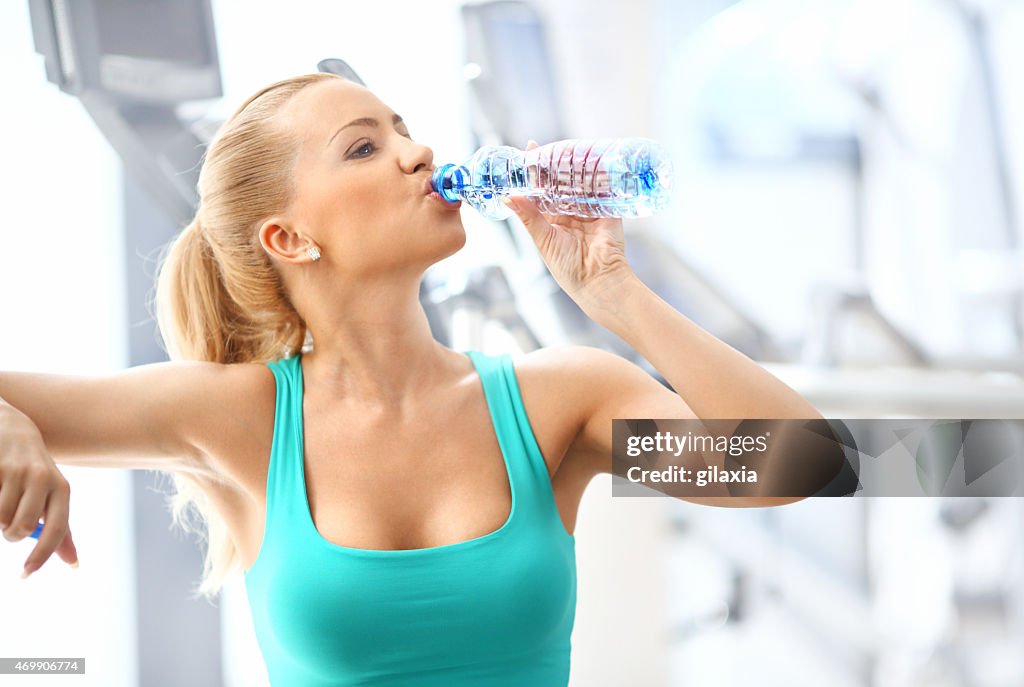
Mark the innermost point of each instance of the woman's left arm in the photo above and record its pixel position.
(586, 256)
(715, 379)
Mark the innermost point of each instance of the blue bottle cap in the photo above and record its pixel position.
(445, 180)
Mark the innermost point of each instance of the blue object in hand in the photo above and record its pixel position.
(38, 529)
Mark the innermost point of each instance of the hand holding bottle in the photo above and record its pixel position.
(581, 252)
(32, 489)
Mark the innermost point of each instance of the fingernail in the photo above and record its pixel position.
(26, 572)
(75, 564)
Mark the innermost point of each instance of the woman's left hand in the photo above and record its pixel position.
(584, 254)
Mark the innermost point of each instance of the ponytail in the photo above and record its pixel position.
(218, 296)
(199, 320)
(203, 317)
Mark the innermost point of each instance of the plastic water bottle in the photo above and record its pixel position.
(605, 177)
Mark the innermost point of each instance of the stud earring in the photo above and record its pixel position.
(314, 253)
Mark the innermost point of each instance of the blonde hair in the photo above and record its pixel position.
(218, 297)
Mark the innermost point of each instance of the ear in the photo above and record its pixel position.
(281, 241)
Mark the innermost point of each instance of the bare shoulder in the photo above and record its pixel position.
(570, 354)
(552, 373)
(585, 388)
(598, 380)
(557, 384)
(235, 424)
(568, 370)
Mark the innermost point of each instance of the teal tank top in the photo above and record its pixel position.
(493, 611)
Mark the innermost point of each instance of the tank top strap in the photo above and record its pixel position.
(534, 495)
(284, 473)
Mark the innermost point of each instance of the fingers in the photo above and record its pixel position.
(529, 215)
(55, 528)
(67, 551)
(537, 223)
(33, 489)
(551, 218)
(30, 508)
(38, 497)
(10, 492)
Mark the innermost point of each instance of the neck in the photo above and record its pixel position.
(376, 352)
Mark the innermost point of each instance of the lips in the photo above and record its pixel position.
(429, 192)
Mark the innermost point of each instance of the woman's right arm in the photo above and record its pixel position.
(150, 417)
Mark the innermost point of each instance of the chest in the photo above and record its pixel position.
(385, 485)
(347, 615)
(378, 484)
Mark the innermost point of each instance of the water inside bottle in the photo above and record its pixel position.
(583, 177)
(601, 178)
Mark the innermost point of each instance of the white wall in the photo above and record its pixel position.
(63, 312)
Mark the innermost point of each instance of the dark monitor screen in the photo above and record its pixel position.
(135, 51)
(152, 29)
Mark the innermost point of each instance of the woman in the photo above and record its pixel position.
(403, 512)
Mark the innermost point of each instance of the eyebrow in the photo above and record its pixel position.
(364, 121)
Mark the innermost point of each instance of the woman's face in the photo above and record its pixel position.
(360, 188)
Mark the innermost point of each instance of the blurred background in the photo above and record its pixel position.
(848, 196)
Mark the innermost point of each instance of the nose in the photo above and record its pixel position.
(416, 156)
